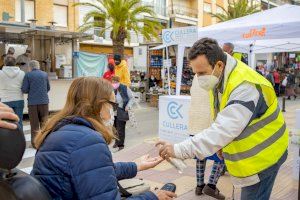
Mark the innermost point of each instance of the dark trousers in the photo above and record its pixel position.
(277, 88)
(263, 189)
(38, 114)
(18, 107)
(120, 127)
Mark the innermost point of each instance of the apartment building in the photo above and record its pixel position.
(194, 12)
(62, 12)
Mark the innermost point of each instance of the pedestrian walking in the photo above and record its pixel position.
(121, 70)
(270, 77)
(36, 85)
(249, 126)
(291, 85)
(276, 76)
(125, 100)
(24, 59)
(11, 79)
(110, 70)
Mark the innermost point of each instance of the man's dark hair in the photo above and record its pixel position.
(117, 57)
(10, 61)
(230, 45)
(210, 48)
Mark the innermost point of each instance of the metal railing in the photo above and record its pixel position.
(183, 10)
(158, 8)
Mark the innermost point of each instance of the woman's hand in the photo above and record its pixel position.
(147, 162)
(6, 113)
(165, 195)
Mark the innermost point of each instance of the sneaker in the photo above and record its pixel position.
(215, 193)
(199, 189)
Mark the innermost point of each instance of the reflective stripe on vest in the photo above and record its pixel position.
(265, 139)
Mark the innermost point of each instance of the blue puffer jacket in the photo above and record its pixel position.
(74, 162)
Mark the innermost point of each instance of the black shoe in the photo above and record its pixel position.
(295, 97)
(289, 98)
(215, 193)
(115, 145)
(121, 148)
(199, 189)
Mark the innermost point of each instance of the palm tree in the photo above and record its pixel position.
(236, 9)
(123, 16)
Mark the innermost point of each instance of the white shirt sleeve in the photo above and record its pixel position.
(229, 124)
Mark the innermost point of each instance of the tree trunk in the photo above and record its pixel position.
(119, 42)
(118, 47)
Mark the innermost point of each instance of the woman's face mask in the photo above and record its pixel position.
(116, 85)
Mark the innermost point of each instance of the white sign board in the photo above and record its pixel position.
(174, 118)
(185, 35)
(167, 63)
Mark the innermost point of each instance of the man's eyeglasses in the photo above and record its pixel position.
(113, 104)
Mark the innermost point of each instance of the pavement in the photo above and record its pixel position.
(140, 141)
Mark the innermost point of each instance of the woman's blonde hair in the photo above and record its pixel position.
(85, 99)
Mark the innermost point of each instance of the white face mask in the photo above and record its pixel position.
(111, 121)
(208, 82)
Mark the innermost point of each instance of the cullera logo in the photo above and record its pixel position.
(174, 110)
(255, 33)
(168, 36)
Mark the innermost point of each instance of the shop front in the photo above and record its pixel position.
(53, 49)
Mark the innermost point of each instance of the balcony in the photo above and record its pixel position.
(159, 7)
(178, 9)
(106, 37)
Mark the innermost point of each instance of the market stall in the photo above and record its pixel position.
(52, 48)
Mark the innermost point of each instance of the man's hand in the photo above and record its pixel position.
(166, 150)
(6, 113)
(147, 162)
(165, 195)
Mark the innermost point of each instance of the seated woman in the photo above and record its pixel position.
(73, 160)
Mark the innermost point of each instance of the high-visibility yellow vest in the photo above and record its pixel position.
(237, 56)
(264, 141)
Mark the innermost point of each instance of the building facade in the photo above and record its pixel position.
(194, 12)
(62, 12)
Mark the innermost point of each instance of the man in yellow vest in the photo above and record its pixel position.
(121, 70)
(248, 124)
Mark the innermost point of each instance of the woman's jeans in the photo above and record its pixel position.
(18, 107)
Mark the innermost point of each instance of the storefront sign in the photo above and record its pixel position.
(186, 35)
(173, 118)
(167, 63)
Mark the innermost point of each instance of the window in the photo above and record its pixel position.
(207, 7)
(29, 10)
(60, 15)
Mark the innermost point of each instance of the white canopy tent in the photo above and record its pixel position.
(273, 30)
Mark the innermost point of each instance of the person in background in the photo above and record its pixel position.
(23, 60)
(229, 48)
(111, 70)
(125, 100)
(283, 84)
(121, 70)
(36, 85)
(291, 85)
(73, 160)
(11, 79)
(6, 113)
(276, 76)
(258, 70)
(200, 118)
(152, 81)
(270, 77)
(10, 52)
